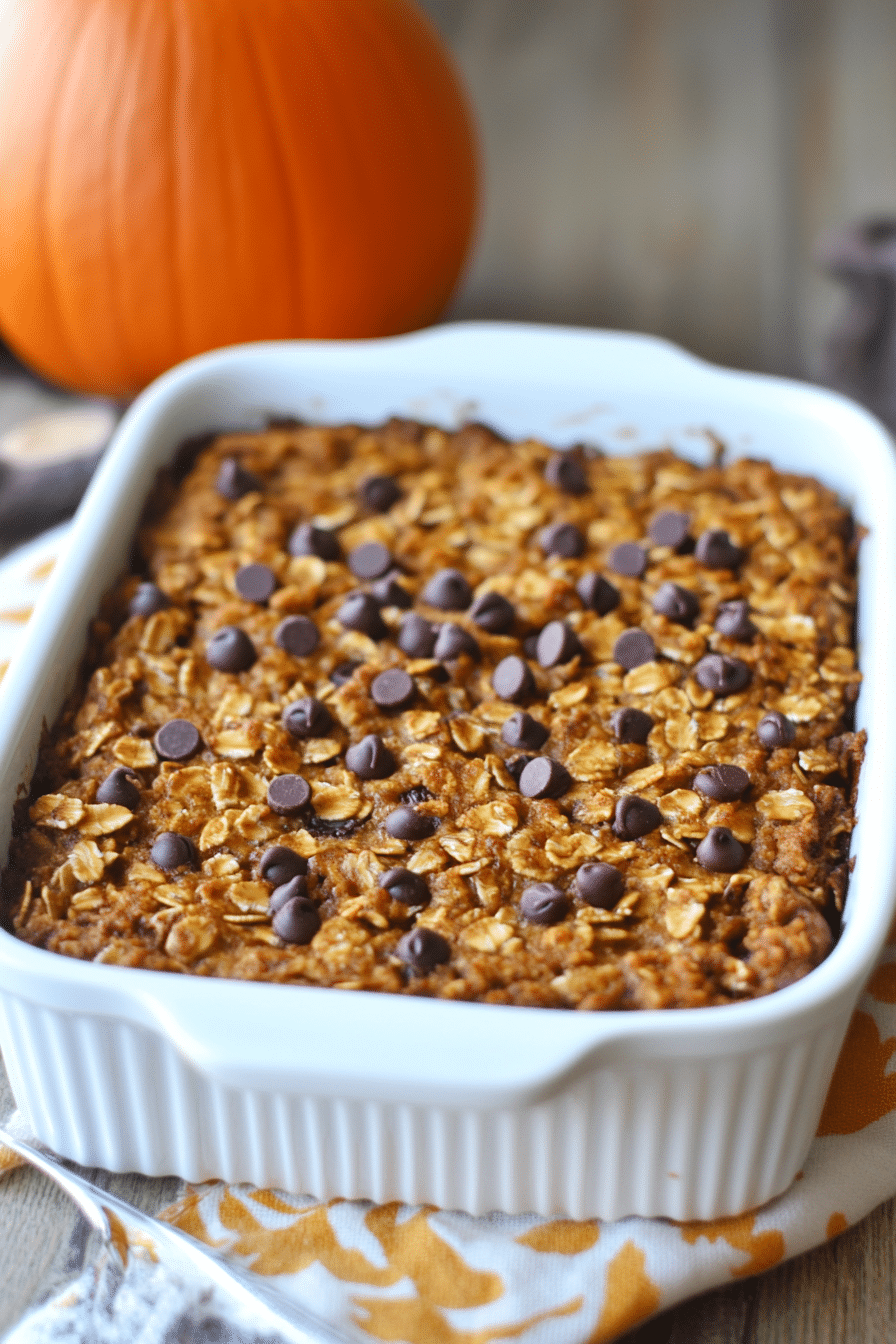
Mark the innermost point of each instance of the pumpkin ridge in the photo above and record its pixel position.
(454, 235)
(178, 134)
(292, 213)
(43, 203)
(116, 313)
(350, 164)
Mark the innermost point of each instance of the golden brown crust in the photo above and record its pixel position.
(81, 879)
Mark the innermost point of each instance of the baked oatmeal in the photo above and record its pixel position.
(422, 712)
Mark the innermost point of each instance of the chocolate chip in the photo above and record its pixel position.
(404, 886)
(297, 635)
(147, 600)
(288, 795)
(722, 783)
(557, 644)
(416, 636)
(632, 648)
(545, 778)
(230, 650)
(393, 689)
(255, 583)
(631, 725)
(422, 950)
(600, 885)
(628, 558)
(524, 732)
(670, 529)
(287, 891)
(452, 641)
(635, 817)
(278, 864)
(305, 539)
(597, 593)
(344, 672)
(448, 590)
(722, 674)
(775, 730)
(566, 471)
(733, 620)
(564, 540)
(530, 646)
(716, 550)
(297, 921)
(516, 767)
(370, 758)
(370, 561)
(417, 793)
(171, 851)
(234, 481)
(379, 493)
(361, 612)
(307, 718)
(676, 604)
(390, 593)
(406, 823)
(720, 852)
(177, 740)
(512, 679)
(120, 788)
(493, 613)
(543, 903)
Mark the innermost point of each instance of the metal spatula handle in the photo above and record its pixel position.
(176, 1250)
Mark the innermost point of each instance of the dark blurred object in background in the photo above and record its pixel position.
(860, 354)
(46, 463)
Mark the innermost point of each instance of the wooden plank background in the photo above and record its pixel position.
(671, 165)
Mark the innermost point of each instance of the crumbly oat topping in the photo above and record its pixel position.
(404, 710)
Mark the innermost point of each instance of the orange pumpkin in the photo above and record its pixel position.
(176, 177)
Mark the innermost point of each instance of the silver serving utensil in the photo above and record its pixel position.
(113, 1219)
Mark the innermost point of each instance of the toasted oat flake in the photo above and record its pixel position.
(86, 861)
(467, 735)
(487, 935)
(238, 744)
(569, 851)
(498, 818)
(253, 823)
(801, 708)
(214, 833)
(819, 761)
(785, 805)
(592, 760)
(249, 897)
(57, 810)
(136, 752)
(89, 743)
(421, 723)
(570, 695)
(319, 749)
(104, 818)
(334, 802)
(429, 858)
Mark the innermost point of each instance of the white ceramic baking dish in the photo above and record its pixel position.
(687, 1114)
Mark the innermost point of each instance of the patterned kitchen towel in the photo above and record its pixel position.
(426, 1276)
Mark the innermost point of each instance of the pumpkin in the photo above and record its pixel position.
(176, 177)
